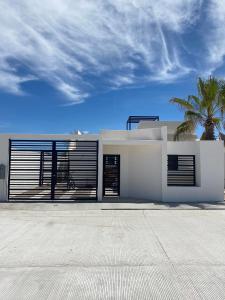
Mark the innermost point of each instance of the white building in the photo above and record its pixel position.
(140, 164)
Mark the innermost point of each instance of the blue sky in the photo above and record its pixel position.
(88, 65)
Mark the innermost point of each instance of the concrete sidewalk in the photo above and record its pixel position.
(112, 205)
(56, 251)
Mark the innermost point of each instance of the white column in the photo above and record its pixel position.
(4, 159)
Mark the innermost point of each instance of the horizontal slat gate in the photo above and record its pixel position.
(181, 170)
(25, 170)
(53, 170)
(77, 164)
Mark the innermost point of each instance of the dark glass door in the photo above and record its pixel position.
(111, 175)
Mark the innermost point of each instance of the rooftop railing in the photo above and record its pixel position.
(136, 119)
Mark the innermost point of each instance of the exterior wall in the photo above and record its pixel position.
(4, 159)
(144, 167)
(171, 128)
(140, 170)
(183, 137)
(145, 173)
(224, 167)
(209, 176)
(136, 134)
(171, 125)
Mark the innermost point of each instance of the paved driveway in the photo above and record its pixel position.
(57, 252)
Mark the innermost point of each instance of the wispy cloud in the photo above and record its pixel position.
(79, 46)
(215, 34)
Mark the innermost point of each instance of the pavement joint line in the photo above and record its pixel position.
(157, 239)
(169, 263)
(110, 209)
(164, 209)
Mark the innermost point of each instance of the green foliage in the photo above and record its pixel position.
(207, 109)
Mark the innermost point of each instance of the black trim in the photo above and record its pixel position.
(54, 171)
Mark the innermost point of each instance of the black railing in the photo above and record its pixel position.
(137, 119)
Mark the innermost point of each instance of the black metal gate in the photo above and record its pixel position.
(41, 170)
(111, 175)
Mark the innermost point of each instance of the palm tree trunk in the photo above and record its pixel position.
(209, 133)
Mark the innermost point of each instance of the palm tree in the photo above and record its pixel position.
(207, 109)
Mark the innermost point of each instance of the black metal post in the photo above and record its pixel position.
(97, 150)
(41, 169)
(54, 170)
(194, 170)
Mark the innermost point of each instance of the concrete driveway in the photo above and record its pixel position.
(58, 252)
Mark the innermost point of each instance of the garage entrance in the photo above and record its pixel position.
(42, 170)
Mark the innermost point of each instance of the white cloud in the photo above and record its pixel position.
(72, 92)
(215, 33)
(78, 46)
(11, 82)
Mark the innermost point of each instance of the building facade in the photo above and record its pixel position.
(140, 164)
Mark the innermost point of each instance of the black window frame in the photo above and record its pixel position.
(181, 170)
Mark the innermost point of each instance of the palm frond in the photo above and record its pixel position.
(218, 124)
(203, 136)
(220, 107)
(194, 100)
(213, 87)
(207, 109)
(201, 87)
(211, 90)
(183, 104)
(194, 117)
(222, 88)
(185, 127)
(222, 137)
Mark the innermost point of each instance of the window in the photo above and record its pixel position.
(181, 170)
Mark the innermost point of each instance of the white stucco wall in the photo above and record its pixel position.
(135, 134)
(145, 172)
(224, 167)
(140, 170)
(209, 176)
(4, 159)
(171, 129)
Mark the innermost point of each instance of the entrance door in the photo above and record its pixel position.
(111, 175)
